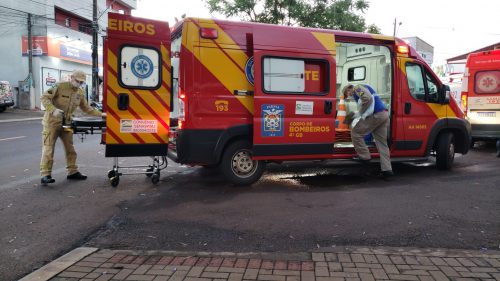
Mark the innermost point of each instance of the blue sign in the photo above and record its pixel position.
(272, 120)
(142, 66)
(75, 53)
(249, 70)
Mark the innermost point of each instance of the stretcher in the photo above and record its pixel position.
(96, 125)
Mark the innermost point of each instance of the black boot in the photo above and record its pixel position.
(47, 179)
(77, 176)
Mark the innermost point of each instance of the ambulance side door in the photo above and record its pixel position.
(420, 107)
(294, 110)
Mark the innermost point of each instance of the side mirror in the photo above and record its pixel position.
(444, 95)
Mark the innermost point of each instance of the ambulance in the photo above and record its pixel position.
(243, 94)
(481, 95)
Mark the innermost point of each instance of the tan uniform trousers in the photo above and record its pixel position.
(377, 124)
(49, 138)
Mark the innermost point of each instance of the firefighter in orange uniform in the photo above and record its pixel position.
(60, 102)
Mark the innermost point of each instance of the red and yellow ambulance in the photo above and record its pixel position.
(249, 93)
(481, 95)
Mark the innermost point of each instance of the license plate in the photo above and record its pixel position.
(486, 114)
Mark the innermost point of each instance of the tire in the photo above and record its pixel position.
(155, 178)
(237, 165)
(114, 181)
(445, 151)
(111, 174)
(2, 109)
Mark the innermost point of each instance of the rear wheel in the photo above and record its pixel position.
(237, 164)
(2, 108)
(445, 151)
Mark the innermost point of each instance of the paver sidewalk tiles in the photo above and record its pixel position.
(362, 264)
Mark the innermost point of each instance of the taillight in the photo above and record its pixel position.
(209, 33)
(464, 102)
(182, 107)
(403, 49)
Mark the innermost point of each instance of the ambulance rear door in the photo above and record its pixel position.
(137, 86)
(294, 105)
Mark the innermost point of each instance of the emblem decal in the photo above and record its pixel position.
(249, 70)
(272, 120)
(142, 66)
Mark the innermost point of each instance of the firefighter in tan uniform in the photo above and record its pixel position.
(60, 102)
(371, 118)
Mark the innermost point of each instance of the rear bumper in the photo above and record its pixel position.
(485, 131)
(7, 103)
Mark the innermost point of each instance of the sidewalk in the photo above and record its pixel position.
(15, 114)
(341, 263)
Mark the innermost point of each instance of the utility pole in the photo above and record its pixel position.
(31, 82)
(395, 26)
(95, 63)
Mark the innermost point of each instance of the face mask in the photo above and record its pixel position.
(75, 84)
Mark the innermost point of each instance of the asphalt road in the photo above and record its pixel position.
(299, 208)
(295, 207)
(38, 224)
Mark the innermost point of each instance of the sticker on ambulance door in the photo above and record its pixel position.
(304, 107)
(272, 120)
(138, 126)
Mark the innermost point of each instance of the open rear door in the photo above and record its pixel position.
(137, 86)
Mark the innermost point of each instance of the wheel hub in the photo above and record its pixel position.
(242, 163)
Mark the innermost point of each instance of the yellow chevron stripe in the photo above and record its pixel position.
(382, 37)
(327, 40)
(134, 104)
(218, 62)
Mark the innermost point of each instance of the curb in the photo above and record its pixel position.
(59, 265)
(19, 120)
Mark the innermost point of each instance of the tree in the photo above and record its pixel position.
(330, 14)
(372, 28)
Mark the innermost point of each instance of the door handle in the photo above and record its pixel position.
(328, 106)
(407, 107)
(123, 101)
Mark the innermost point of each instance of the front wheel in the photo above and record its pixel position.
(2, 109)
(237, 164)
(445, 151)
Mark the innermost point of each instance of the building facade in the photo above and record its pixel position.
(61, 32)
(424, 49)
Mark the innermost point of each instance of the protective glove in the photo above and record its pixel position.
(58, 113)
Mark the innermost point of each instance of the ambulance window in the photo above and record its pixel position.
(432, 95)
(487, 82)
(287, 75)
(415, 81)
(356, 73)
(139, 68)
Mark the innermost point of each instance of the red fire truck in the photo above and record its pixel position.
(250, 93)
(481, 95)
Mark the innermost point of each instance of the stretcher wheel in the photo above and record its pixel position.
(149, 172)
(155, 178)
(114, 181)
(111, 174)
